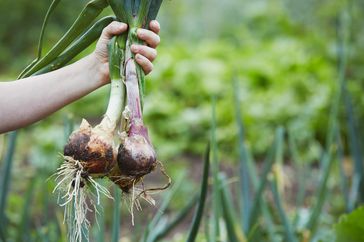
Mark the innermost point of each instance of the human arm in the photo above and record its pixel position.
(25, 101)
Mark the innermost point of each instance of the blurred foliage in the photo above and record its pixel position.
(282, 52)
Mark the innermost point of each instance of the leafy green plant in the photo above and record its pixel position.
(350, 228)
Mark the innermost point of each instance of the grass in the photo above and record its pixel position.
(115, 231)
(202, 198)
(5, 181)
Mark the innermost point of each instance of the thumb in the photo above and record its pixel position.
(114, 28)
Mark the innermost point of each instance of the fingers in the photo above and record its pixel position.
(146, 51)
(114, 28)
(154, 26)
(144, 63)
(152, 39)
(144, 55)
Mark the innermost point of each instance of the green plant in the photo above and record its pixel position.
(202, 198)
(350, 228)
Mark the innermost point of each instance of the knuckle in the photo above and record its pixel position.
(155, 25)
(143, 49)
(141, 59)
(157, 40)
(154, 54)
(114, 23)
(106, 30)
(150, 67)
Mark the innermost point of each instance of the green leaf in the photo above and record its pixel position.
(344, 179)
(264, 179)
(299, 166)
(85, 40)
(268, 220)
(153, 11)
(51, 8)
(148, 233)
(216, 201)
(244, 171)
(350, 227)
(116, 215)
(177, 219)
(84, 19)
(358, 176)
(327, 163)
(234, 231)
(6, 178)
(289, 233)
(120, 9)
(334, 127)
(143, 10)
(203, 194)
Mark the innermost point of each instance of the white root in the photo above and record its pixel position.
(76, 189)
(131, 198)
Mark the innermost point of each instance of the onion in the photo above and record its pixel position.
(91, 153)
(136, 156)
(93, 148)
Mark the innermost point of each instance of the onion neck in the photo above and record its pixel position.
(117, 89)
(113, 112)
(133, 97)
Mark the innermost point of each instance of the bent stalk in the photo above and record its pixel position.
(85, 18)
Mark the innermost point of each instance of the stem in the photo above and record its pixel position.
(114, 108)
(133, 97)
(112, 114)
(132, 89)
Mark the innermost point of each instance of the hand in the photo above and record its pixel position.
(144, 54)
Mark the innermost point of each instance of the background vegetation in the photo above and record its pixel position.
(291, 61)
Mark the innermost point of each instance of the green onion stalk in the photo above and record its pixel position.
(119, 147)
(136, 155)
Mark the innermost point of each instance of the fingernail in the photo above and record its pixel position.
(134, 48)
(155, 22)
(140, 33)
(122, 25)
(138, 56)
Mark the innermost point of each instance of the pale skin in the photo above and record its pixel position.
(28, 100)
